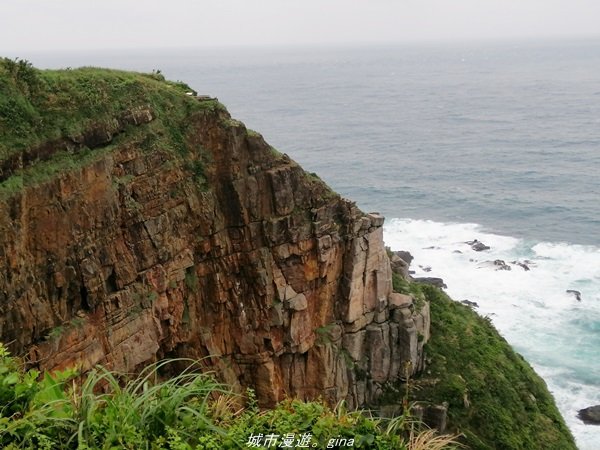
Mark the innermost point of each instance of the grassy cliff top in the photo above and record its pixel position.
(51, 119)
(38, 106)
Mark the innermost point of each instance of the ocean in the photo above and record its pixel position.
(494, 141)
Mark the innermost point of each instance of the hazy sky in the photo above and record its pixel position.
(88, 24)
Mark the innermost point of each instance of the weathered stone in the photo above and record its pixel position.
(397, 300)
(354, 344)
(396, 352)
(400, 267)
(378, 350)
(297, 303)
(376, 219)
(277, 315)
(249, 269)
(381, 316)
(360, 323)
(404, 256)
(434, 416)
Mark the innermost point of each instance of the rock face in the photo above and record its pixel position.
(400, 262)
(278, 282)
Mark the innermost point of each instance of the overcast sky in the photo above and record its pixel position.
(27, 25)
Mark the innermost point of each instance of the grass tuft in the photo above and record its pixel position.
(189, 411)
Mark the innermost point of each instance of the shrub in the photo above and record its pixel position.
(489, 387)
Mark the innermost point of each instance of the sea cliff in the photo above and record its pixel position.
(139, 221)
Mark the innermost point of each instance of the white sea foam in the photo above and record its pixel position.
(558, 335)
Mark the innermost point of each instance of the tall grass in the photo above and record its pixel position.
(145, 408)
(188, 411)
(110, 411)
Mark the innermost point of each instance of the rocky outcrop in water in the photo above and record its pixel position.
(477, 245)
(590, 415)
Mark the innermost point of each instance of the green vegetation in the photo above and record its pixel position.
(314, 183)
(196, 167)
(191, 279)
(495, 398)
(43, 105)
(188, 411)
(58, 331)
(403, 286)
(60, 107)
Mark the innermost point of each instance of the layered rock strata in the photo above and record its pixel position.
(231, 253)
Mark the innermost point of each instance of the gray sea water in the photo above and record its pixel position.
(494, 141)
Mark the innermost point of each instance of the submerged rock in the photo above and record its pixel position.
(524, 265)
(497, 264)
(501, 265)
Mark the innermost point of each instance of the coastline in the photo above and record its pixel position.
(530, 308)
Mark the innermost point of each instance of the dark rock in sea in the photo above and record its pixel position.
(457, 251)
(524, 265)
(469, 303)
(478, 246)
(501, 265)
(590, 415)
(426, 268)
(577, 294)
(437, 282)
(497, 264)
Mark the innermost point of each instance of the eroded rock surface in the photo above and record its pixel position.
(277, 281)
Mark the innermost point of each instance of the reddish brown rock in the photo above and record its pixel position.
(286, 286)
